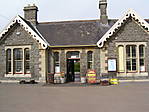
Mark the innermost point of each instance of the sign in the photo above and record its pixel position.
(73, 56)
(142, 68)
(57, 69)
(112, 65)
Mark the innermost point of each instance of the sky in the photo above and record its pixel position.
(65, 10)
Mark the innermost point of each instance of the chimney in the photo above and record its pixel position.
(103, 12)
(30, 14)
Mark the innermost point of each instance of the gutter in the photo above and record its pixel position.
(73, 46)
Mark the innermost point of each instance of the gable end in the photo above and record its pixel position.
(120, 22)
(31, 31)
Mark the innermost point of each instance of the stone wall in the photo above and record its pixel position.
(12, 39)
(97, 61)
(131, 31)
(63, 61)
(83, 63)
(83, 59)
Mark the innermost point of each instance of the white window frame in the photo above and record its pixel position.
(124, 44)
(131, 58)
(57, 63)
(7, 61)
(13, 74)
(142, 68)
(91, 62)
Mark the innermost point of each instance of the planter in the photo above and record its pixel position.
(83, 79)
(62, 80)
(114, 81)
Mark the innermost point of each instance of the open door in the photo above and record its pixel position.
(73, 70)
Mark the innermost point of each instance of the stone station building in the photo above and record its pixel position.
(116, 47)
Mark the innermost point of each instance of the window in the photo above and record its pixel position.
(57, 62)
(73, 54)
(131, 59)
(90, 60)
(27, 60)
(141, 57)
(8, 61)
(121, 59)
(18, 60)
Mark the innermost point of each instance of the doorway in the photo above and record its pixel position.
(73, 70)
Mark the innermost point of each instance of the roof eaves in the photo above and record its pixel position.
(73, 46)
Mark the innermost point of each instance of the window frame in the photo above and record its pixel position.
(73, 55)
(90, 61)
(142, 57)
(18, 59)
(56, 62)
(121, 60)
(124, 44)
(7, 61)
(27, 61)
(131, 57)
(13, 73)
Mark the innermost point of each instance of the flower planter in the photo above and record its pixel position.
(83, 79)
(62, 80)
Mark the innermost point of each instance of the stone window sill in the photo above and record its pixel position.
(18, 75)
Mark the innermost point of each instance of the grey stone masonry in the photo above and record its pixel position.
(83, 63)
(50, 61)
(30, 13)
(83, 59)
(23, 39)
(103, 11)
(63, 61)
(131, 31)
(97, 61)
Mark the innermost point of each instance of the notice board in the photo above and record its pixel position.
(112, 65)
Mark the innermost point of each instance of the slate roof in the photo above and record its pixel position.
(86, 32)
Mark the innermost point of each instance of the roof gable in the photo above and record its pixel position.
(29, 28)
(119, 23)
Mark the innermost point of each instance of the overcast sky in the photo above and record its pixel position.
(60, 10)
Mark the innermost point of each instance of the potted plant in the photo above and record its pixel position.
(83, 79)
(62, 78)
